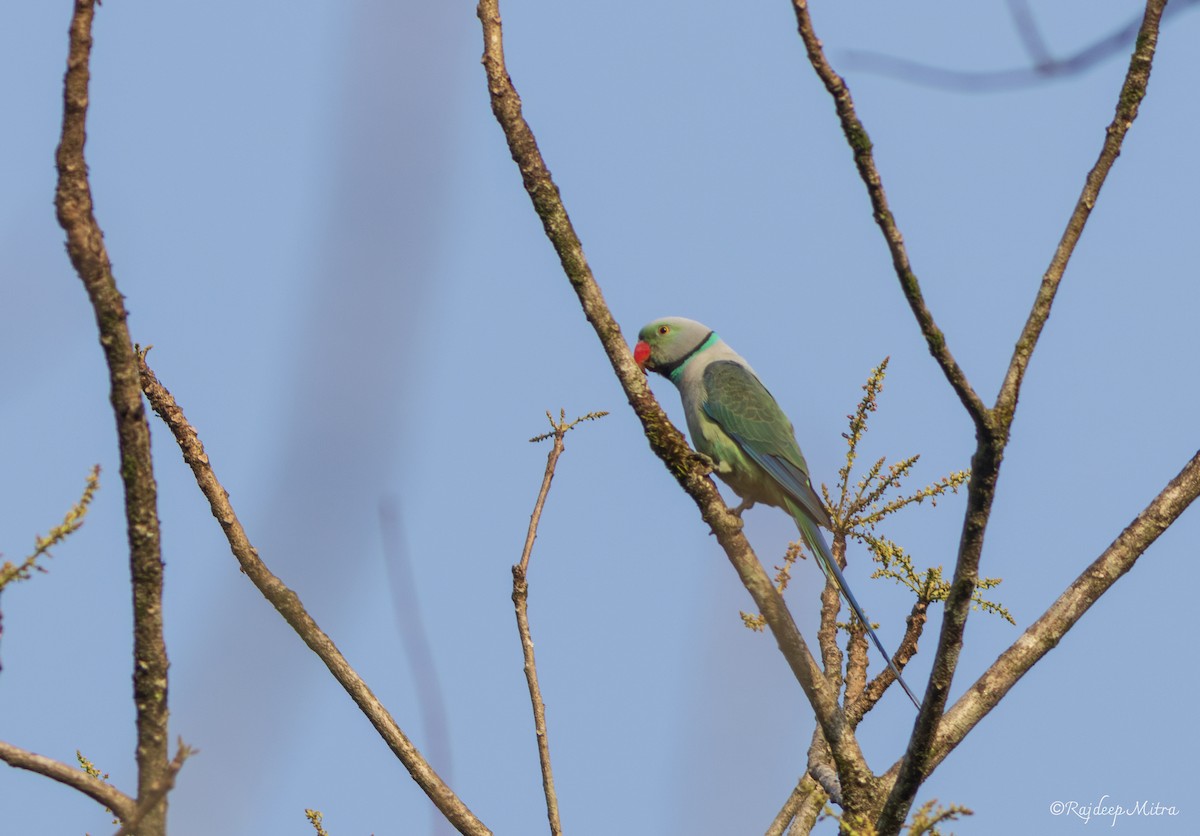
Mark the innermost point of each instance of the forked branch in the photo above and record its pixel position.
(288, 604)
(130, 825)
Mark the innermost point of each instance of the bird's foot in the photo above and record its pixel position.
(706, 462)
(743, 507)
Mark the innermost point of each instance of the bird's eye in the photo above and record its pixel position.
(663, 330)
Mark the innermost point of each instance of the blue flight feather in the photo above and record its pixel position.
(743, 408)
(816, 542)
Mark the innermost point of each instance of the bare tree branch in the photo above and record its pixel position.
(801, 809)
(1044, 634)
(818, 784)
(1132, 92)
(827, 631)
(289, 606)
(665, 440)
(130, 825)
(520, 597)
(870, 696)
(860, 144)
(102, 792)
(85, 246)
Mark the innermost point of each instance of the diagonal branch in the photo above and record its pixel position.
(1132, 93)
(102, 792)
(804, 803)
(860, 144)
(665, 440)
(290, 607)
(85, 246)
(1044, 634)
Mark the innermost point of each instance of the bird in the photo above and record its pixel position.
(737, 424)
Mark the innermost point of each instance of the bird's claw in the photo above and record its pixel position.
(706, 462)
(744, 506)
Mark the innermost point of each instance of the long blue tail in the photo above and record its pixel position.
(816, 541)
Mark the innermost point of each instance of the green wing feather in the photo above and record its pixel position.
(747, 412)
(738, 402)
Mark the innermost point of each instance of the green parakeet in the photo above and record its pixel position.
(735, 421)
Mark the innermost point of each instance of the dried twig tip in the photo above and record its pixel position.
(561, 427)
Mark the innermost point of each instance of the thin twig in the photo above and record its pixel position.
(11, 572)
(85, 246)
(520, 597)
(860, 144)
(100, 791)
(1132, 92)
(665, 440)
(289, 606)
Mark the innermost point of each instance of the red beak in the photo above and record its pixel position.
(641, 353)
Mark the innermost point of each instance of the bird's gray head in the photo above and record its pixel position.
(666, 344)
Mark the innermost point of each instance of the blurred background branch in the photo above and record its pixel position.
(1044, 67)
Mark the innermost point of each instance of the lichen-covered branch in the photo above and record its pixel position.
(85, 246)
(129, 825)
(819, 784)
(1044, 634)
(665, 440)
(860, 145)
(288, 604)
(803, 805)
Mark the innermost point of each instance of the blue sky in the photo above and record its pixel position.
(315, 221)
